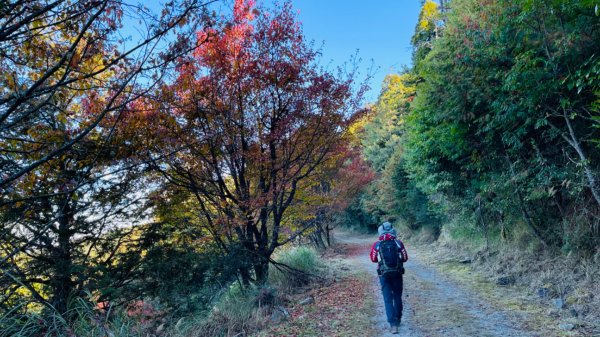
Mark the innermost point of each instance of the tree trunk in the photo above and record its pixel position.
(261, 270)
(245, 275)
(529, 220)
(575, 143)
(521, 203)
(328, 235)
(483, 224)
(61, 283)
(317, 235)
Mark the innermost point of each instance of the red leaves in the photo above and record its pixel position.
(243, 11)
(227, 49)
(258, 117)
(339, 310)
(254, 50)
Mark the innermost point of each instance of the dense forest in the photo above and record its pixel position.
(165, 172)
(493, 133)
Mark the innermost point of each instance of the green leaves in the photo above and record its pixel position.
(384, 130)
(585, 77)
(505, 93)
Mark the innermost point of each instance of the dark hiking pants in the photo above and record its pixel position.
(391, 287)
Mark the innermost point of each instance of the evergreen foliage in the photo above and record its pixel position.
(501, 136)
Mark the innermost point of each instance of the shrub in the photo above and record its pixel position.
(294, 267)
(87, 320)
(236, 311)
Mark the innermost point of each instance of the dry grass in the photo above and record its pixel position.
(241, 321)
(539, 279)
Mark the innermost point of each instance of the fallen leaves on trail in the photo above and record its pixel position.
(357, 250)
(347, 250)
(341, 309)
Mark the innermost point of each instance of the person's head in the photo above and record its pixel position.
(386, 228)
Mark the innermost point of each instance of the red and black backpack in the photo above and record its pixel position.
(389, 261)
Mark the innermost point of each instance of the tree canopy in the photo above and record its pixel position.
(171, 166)
(501, 134)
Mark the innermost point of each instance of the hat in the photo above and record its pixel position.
(386, 228)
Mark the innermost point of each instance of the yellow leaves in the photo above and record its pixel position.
(182, 22)
(397, 87)
(90, 59)
(35, 24)
(10, 82)
(429, 15)
(62, 118)
(358, 125)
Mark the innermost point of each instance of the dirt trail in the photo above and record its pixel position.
(434, 305)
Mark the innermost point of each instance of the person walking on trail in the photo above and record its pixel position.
(390, 254)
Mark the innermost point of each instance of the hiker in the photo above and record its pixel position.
(390, 254)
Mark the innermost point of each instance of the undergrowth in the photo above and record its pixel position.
(547, 277)
(89, 321)
(235, 309)
(295, 268)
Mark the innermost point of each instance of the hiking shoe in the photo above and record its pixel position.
(394, 329)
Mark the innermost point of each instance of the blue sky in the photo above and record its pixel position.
(381, 31)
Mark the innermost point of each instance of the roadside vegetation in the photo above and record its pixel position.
(489, 144)
(340, 304)
(153, 184)
(187, 181)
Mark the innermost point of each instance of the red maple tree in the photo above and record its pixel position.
(252, 116)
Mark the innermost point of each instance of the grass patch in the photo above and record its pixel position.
(238, 310)
(296, 267)
(530, 273)
(88, 321)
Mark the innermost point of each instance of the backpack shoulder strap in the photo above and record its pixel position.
(379, 253)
